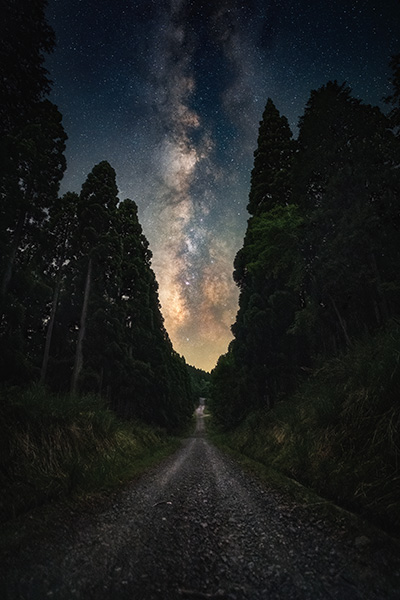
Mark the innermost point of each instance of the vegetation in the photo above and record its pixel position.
(57, 446)
(339, 433)
(79, 303)
(200, 381)
(84, 353)
(309, 382)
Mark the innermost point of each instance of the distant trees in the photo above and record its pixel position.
(318, 264)
(200, 381)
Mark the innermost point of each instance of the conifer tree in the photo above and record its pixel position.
(32, 143)
(319, 272)
(58, 253)
(394, 98)
(270, 182)
(25, 39)
(30, 176)
(97, 202)
(267, 272)
(30, 180)
(345, 181)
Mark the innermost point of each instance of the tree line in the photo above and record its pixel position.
(78, 299)
(319, 264)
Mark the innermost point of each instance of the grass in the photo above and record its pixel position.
(340, 434)
(54, 447)
(323, 509)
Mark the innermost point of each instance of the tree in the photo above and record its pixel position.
(122, 350)
(270, 185)
(270, 295)
(25, 38)
(29, 179)
(153, 380)
(345, 183)
(32, 142)
(267, 270)
(394, 98)
(97, 202)
(200, 382)
(60, 229)
(227, 388)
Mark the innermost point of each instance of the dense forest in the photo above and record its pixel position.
(79, 304)
(314, 360)
(310, 381)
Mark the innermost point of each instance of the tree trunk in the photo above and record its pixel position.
(11, 259)
(342, 322)
(101, 380)
(54, 306)
(79, 345)
(49, 333)
(383, 303)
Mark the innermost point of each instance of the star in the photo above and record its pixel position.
(171, 94)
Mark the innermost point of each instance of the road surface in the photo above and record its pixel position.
(197, 526)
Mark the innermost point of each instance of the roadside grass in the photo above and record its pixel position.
(365, 534)
(340, 434)
(57, 447)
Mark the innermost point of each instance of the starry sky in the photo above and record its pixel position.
(171, 93)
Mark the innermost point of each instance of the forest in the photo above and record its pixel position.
(310, 382)
(83, 347)
(79, 300)
(88, 373)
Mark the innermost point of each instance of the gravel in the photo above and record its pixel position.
(199, 527)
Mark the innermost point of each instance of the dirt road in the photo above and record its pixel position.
(198, 527)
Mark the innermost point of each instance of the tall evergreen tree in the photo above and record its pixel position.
(315, 275)
(30, 176)
(270, 182)
(267, 272)
(32, 142)
(58, 253)
(109, 329)
(153, 382)
(25, 39)
(345, 182)
(97, 203)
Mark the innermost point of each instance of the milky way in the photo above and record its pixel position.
(171, 93)
(192, 262)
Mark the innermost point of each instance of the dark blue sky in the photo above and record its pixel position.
(171, 92)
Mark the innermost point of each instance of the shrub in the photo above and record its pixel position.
(52, 446)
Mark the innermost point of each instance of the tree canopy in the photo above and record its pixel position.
(79, 300)
(318, 264)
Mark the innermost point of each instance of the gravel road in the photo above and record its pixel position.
(199, 527)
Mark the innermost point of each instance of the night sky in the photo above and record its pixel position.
(171, 93)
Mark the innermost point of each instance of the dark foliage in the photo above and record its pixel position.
(25, 38)
(394, 98)
(78, 298)
(318, 268)
(200, 381)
